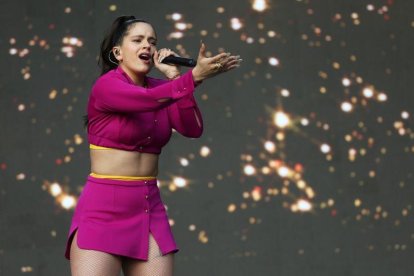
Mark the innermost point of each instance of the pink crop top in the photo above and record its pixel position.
(125, 116)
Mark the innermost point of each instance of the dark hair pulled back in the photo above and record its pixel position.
(114, 36)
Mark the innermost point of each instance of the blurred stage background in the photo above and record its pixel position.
(306, 163)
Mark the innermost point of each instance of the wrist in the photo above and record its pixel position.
(173, 76)
(196, 77)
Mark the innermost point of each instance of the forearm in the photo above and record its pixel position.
(115, 95)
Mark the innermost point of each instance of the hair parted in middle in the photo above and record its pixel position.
(114, 36)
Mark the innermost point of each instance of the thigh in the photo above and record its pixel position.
(92, 262)
(157, 264)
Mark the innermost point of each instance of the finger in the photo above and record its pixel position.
(226, 60)
(166, 53)
(155, 57)
(233, 57)
(161, 56)
(161, 53)
(171, 53)
(218, 57)
(232, 62)
(232, 67)
(202, 51)
(164, 56)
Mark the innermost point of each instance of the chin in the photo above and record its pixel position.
(143, 69)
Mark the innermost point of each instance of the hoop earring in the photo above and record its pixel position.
(109, 57)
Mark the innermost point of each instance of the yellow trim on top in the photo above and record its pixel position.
(91, 146)
(122, 177)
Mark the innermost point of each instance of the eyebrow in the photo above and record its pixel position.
(141, 36)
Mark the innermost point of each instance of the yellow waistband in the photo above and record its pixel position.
(121, 177)
(91, 146)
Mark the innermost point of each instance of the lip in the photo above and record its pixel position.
(145, 61)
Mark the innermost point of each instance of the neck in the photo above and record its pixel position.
(138, 79)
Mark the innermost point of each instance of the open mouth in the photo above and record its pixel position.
(145, 57)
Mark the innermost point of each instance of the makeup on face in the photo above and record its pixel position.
(143, 37)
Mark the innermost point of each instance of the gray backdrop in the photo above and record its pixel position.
(244, 210)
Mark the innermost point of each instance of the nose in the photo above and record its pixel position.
(146, 44)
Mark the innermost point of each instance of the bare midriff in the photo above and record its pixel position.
(122, 163)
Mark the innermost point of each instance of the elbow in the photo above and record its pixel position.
(193, 132)
(198, 133)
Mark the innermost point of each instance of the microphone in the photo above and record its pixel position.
(180, 61)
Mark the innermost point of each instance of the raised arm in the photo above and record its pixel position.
(113, 94)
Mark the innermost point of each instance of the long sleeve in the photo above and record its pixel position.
(185, 117)
(112, 94)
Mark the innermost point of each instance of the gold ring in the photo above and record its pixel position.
(218, 65)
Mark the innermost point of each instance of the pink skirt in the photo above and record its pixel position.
(116, 216)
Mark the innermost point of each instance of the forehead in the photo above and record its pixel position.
(141, 28)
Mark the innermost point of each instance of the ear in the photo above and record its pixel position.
(117, 53)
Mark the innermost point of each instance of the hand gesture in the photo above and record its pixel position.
(170, 71)
(212, 66)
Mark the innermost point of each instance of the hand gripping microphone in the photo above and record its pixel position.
(180, 61)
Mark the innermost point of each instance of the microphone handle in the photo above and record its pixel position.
(180, 61)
